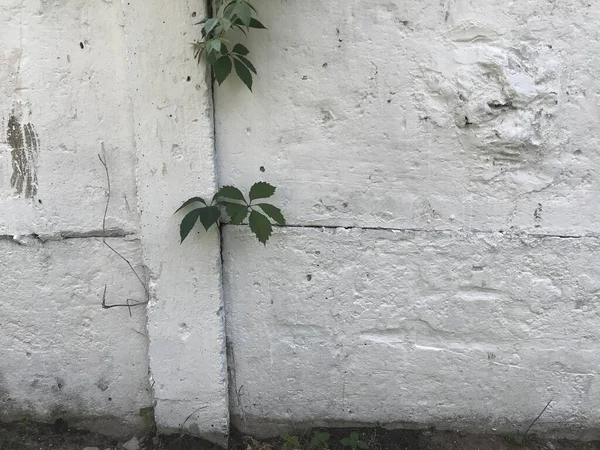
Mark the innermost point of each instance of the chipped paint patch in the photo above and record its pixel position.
(24, 144)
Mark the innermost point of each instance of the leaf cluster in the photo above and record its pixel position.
(229, 205)
(221, 54)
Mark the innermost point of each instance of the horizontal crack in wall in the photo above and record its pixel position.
(24, 239)
(508, 233)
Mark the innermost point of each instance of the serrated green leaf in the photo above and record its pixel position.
(237, 213)
(244, 12)
(254, 23)
(190, 201)
(231, 192)
(214, 45)
(245, 61)
(209, 216)
(222, 68)
(240, 49)
(261, 190)
(188, 223)
(210, 25)
(243, 72)
(260, 226)
(273, 212)
(225, 23)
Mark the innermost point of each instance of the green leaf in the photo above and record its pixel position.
(237, 213)
(213, 45)
(245, 61)
(190, 201)
(243, 72)
(260, 226)
(188, 223)
(209, 216)
(354, 436)
(273, 212)
(345, 442)
(231, 192)
(244, 12)
(362, 445)
(261, 190)
(256, 24)
(225, 24)
(222, 68)
(240, 49)
(210, 25)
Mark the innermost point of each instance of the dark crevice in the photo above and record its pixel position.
(61, 235)
(508, 233)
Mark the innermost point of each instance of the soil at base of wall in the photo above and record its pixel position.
(26, 435)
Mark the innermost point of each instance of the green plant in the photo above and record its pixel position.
(230, 206)
(320, 440)
(354, 442)
(221, 55)
(290, 442)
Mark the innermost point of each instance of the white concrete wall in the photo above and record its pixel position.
(448, 147)
(61, 354)
(457, 141)
(78, 78)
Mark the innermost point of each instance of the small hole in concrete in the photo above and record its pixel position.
(262, 168)
(194, 14)
(308, 277)
(39, 201)
(81, 45)
(189, 78)
(110, 399)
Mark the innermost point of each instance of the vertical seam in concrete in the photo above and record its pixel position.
(177, 313)
(210, 80)
(146, 274)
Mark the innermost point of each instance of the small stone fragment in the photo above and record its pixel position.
(132, 444)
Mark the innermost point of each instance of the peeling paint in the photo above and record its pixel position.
(24, 144)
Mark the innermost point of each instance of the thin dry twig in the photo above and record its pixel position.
(536, 419)
(130, 303)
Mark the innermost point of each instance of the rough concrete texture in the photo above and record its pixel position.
(64, 99)
(173, 127)
(79, 78)
(457, 120)
(62, 355)
(456, 330)
(429, 115)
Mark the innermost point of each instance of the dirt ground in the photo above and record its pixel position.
(30, 436)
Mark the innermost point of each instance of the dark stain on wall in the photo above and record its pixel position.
(24, 145)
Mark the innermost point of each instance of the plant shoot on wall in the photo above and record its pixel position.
(222, 55)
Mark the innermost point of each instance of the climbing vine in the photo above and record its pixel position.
(229, 205)
(222, 55)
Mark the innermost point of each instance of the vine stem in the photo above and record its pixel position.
(130, 303)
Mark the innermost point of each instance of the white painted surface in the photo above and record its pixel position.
(78, 78)
(454, 116)
(77, 100)
(61, 354)
(459, 116)
(362, 122)
(174, 138)
(460, 330)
